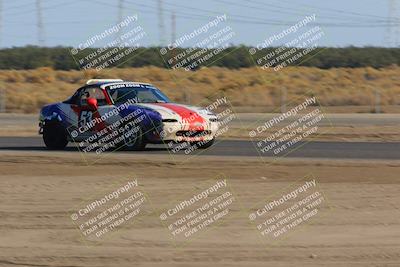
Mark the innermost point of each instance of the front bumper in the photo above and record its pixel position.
(41, 124)
(178, 132)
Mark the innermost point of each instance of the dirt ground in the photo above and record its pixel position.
(359, 227)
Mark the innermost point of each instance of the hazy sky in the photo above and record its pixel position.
(68, 23)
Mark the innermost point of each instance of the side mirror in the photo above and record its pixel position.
(92, 103)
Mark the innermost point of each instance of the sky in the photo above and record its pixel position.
(69, 23)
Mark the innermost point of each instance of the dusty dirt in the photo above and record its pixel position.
(360, 227)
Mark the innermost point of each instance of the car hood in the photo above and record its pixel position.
(177, 111)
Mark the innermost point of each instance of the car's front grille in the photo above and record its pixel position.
(193, 133)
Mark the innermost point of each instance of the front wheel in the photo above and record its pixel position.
(54, 136)
(134, 139)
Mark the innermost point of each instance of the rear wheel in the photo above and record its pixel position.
(54, 136)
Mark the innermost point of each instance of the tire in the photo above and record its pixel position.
(54, 136)
(202, 145)
(134, 142)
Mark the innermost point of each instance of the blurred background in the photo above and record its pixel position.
(353, 69)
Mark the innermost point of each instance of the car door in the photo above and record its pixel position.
(85, 115)
(92, 120)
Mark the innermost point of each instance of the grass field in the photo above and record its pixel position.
(351, 90)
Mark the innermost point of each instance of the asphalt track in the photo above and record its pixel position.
(329, 150)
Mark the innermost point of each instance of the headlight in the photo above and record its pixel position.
(206, 112)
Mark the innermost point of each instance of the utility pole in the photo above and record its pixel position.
(40, 27)
(1, 18)
(2, 87)
(393, 29)
(173, 37)
(120, 14)
(173, 27)
(2, 98)
(377, 101)
(161, 22)
(186, 96)
(283, 99)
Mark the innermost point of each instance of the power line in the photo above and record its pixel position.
(263, 21)
(337, 11)
(351, 16)
(236, 18)
(43, 8)
(270, 8)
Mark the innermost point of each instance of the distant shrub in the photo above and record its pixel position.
(60, 58)
(28, 90)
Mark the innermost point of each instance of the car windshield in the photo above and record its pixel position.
(138, 95)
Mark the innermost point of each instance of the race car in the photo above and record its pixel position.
(124, 114)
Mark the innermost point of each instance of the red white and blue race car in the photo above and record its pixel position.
(124, 114)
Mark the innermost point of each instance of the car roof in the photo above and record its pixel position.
(126, 83)
(102, 83)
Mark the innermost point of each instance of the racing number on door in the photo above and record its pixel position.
(85, 117)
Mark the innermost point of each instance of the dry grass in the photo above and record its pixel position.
(28, 90)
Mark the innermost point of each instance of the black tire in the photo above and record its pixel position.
(204, 145)
(135, 141)
(54, 136)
